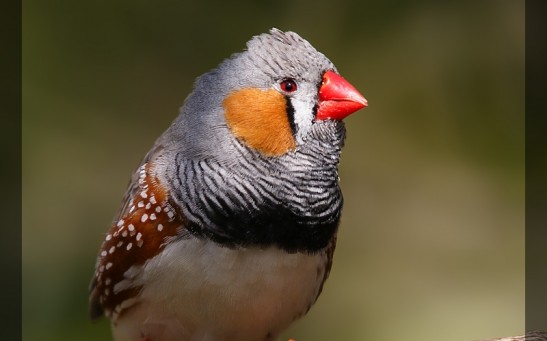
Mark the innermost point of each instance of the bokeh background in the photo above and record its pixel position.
(432, 241)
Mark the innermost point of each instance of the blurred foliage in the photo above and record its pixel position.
(432, 240)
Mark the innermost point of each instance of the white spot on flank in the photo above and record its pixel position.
(132, 209)
(107, 281)
(144, 217)
(148, 206)
(108, 265)
(111, 251)
(153, 199)
(132, 233)
(143, 194)
(116, 312)
(140, 242)
(152, 216)
(103, 254)
(120, 222)
(128, 279)
(129, 246)
(124, 234)
(120, 243)
(139, 236)
(160, 227)
(108, 237)
(140, 204)
(158, 209)
(170, 214)
(131, 227)
(127, 303)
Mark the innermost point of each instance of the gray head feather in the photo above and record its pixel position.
(201, 132)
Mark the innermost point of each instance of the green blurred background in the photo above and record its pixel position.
(432, 241)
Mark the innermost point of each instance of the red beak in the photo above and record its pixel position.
(338, 98)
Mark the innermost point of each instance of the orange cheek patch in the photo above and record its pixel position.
(259, 118)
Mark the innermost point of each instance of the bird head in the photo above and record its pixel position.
(272, 99)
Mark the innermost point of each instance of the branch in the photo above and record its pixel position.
(533, 335)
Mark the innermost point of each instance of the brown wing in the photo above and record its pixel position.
(146, 221)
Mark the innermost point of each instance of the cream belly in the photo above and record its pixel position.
(198, 290)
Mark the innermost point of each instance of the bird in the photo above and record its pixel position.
(228, 226)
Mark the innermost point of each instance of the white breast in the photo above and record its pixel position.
(198, 290)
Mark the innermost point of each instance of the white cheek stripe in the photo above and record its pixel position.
(303, 117)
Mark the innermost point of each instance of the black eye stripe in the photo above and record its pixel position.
(290, 115)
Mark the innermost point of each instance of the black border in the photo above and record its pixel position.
(10, 171)
(536, 165)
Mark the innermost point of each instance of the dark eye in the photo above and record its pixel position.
(288, 85)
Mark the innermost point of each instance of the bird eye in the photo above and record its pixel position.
(288, 85)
